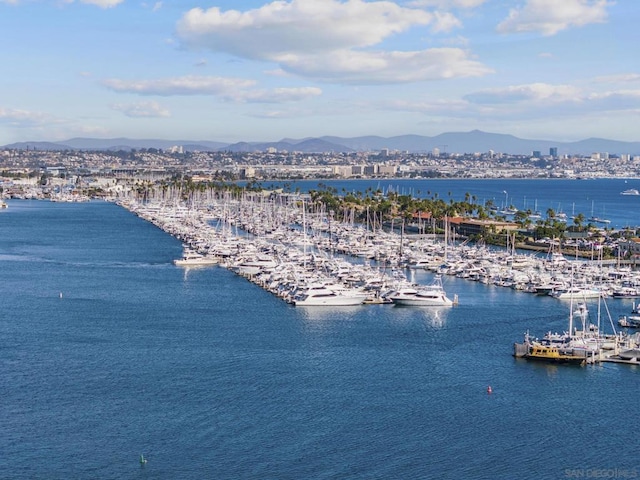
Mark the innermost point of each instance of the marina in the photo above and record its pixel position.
(297, 254)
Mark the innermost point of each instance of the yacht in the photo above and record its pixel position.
(195, 259)
(427, 295)
(630, 191)
(576, 293)
(255, 265)
(320, 295)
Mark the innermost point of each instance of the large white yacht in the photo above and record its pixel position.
(427, 295)
(320, 295)
(576, 293)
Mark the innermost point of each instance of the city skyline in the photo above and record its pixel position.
(256, 70)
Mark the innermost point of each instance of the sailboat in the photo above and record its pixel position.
(595, 219)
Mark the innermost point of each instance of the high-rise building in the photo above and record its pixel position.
(553, 151)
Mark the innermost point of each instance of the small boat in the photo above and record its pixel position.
(598, 220)
(629, 321)
(630, 191)
(632, 320)
(548, 353)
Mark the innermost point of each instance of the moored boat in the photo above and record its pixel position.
(547, 353)
(632, 320)
(427, 295)
(320, 295)
(576, 293)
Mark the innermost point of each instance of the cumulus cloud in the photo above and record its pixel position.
(549, 17)
(299, 26)
(142, 110)
(355, 67)
(300, 33)
(189, 85)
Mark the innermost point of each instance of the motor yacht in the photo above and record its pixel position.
(320, 295)
(428, 295)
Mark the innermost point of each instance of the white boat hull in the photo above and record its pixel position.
(422, 302)
(337, 301)
(196, 263)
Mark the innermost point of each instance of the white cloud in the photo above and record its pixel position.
(620, 78)
(330, 34)
(23, 118)
(552, 16)
(354, 67)
(534, 92)
(103, 3)
(526, 102)
(189, 85)
(276, 95)
(277, 72)
(299, 26)
(230, 89)
(447, 4)
(98, 3)
(142, 109)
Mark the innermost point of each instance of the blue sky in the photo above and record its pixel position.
(233, 70)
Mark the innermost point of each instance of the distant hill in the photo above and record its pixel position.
(38, 146)
(130, 143)
(310, 145)
(115, 144)
(451, 142)
(478, 141)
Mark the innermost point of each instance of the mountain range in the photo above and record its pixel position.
(452, 142)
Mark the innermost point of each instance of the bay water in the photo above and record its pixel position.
(108, 352)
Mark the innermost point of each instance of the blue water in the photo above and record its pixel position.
(594, 197)
(108, 351)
